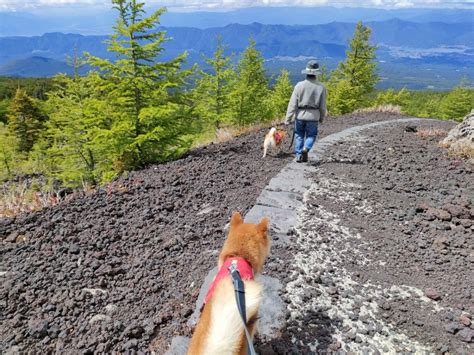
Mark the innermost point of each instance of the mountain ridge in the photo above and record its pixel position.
(390, 33)
(407, 44)
(100, 21)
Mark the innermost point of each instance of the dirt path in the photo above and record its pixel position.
(121, 269)
(383, 256)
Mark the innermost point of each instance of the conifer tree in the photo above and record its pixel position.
(25, 120)
(8, 152)
(355, 77)
(342, 97)
(457, 104)
(76, 147)
(213, 88)
(281, 94)
(390, 97)
(325, 75)
(251, 89)
(428, 108)
(151, 117)
(4, 110)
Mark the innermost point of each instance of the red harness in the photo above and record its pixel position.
(278, 137)
(245, 271)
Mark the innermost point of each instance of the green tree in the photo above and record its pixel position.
(213, 89)
(355, 77)
(325, 75)
(25, 120)
(8, 152)
(251, 89)
(4, 110)
(390, 97)
(429, 108)
(34, 87)
(457, 104)
(423, 103)
(76, 146)
(151, 117)
(341, 99)
(280, 95)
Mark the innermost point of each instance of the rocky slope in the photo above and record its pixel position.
(384, 251)
(121, 269)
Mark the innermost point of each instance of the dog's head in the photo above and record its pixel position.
(247, 240)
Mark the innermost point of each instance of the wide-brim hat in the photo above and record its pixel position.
(312, 68)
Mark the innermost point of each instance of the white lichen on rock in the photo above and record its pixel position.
(461, 137)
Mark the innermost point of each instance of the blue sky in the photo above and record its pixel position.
(177, 5)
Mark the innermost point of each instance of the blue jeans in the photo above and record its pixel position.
(302, 129)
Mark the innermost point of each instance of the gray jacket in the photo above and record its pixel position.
(308, 102)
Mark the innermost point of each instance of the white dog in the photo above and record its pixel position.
(272, 140)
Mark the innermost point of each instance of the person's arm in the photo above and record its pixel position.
(292, 108)
(322, 106)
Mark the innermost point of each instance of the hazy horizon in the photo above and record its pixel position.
(420, 43)
(36, 6)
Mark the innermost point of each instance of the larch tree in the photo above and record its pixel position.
(214, 87)
(457, 104)
(152, 116)
(8, 152)
(25, 120)
(281, 94)
(356, 76)
(74, 147)
(249, 97)
(390, 97)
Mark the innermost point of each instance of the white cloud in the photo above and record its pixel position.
(226, 4)
(403, 3)
(35, 4)
(353, 3)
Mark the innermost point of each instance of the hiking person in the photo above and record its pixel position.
(307, 107)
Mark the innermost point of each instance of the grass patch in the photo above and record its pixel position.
(19, 197)
(227, 133)
(461, 150)
(431, 132)
(382, 109)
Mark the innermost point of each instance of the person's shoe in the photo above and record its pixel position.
(299, 159)
(304, 156)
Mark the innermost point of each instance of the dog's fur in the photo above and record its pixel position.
(220, 329)
(270, 140)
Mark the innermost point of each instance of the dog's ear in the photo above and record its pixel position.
(263, 225)
(236, 219)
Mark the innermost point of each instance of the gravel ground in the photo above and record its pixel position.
(383, 256)
(120, 269)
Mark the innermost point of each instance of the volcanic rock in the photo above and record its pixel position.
(462, 134)
(466, 335)
(38, 328)
(464, 319)
(433, 294)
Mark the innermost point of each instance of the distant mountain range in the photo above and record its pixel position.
(400, 42)
(92, 21)
(37, 67)
(328, 40)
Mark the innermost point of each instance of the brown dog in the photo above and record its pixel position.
(220, 328)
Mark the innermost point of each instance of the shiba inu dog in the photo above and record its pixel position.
(272, 140)
(220, 328)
